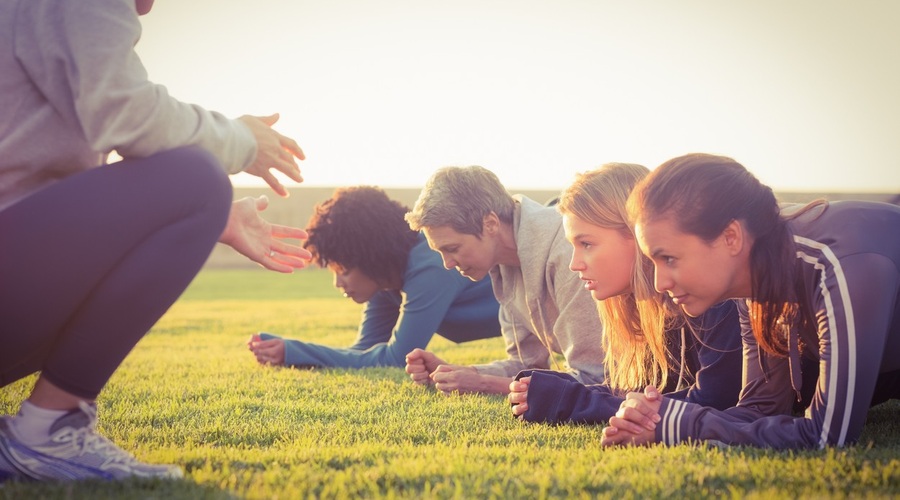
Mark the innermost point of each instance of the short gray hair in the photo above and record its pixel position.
(460, 197)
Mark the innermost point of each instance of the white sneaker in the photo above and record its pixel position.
(75, 451)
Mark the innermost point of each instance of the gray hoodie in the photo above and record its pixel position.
(543, 305)
(72, 89)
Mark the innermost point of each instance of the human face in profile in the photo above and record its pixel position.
(696, 274)
(604, 258)
(472, 256)
(357, 285)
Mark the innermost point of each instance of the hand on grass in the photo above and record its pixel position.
(420, 364)
(267, 352)
(273, 150)
(518, 396)
(262, 242)
(635, 422)
(456, 378)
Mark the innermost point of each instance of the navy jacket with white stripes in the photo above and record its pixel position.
(705, 368)
(849, 259)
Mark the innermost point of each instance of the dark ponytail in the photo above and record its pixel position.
(703, 193)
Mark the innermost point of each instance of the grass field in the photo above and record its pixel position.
(191, 394)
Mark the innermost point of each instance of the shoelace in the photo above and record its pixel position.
(85, 440)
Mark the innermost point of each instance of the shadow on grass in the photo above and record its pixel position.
(131, 488)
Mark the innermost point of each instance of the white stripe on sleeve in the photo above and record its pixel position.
(835, 338)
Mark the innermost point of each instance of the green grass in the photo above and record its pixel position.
(191, 394)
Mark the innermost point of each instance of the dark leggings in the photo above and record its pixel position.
(90, 263)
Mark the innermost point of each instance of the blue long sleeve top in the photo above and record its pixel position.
(708, 373)
(431, 300)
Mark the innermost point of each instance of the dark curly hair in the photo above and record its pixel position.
(361, 228)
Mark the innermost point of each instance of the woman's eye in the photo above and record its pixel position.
(669, 260)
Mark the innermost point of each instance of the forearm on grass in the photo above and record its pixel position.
(494, 384)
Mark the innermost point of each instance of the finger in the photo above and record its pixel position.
(262, 203)
(635, 416)
(284, 163)
(445, 388)
(269, 120)
(414, 355)
(443, 376)
(443, 369)
(517, 397)
(263, 344)
(288, 232)
(625, 425)
(520, 409)
(268, 352)
(641, 407)
(290, 255)
(271, 265)
(283, 249)
(290, 264)
(611, 436)
(651, 392)
(292, 146)
(278, 262)
(274, 184)
(415, 368)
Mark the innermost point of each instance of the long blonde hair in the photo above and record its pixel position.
(634, 323)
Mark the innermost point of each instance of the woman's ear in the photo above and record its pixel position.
(734, 237)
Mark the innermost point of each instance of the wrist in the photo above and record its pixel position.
(494, 384)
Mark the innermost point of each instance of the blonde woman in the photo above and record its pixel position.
(683, 362)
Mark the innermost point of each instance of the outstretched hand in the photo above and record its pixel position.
(273, 150)
(262, 242)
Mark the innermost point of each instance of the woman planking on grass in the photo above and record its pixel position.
(819, 281)
(92, 255)
(481, 230)
(377, 260)
(697, 360)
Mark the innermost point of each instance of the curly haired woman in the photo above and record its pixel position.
(377, 260)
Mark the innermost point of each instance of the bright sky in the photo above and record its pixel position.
(805, 93)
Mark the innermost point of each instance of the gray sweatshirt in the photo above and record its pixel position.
(72, 89)
(543, 305)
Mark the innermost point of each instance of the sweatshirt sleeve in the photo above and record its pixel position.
(379, 317)
(523, 348)
(428, 294)
(855, 294)
(81, 54)
(577, 328)
(717, 341)
(555, 397)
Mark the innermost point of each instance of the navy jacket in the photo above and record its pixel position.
(711, 374)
